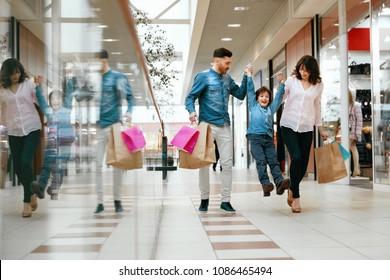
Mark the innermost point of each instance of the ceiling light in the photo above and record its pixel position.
(226, 39)
(116, 53)
(241, 8)
(234, 25)
(110, 40)
(102, 26)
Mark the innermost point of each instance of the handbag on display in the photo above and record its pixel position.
(204, 150)
(134, 139)
(186, 138)
(118, 154)
(329, 163)
(359, 69)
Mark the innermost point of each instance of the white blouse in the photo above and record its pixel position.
(21, 116)
(302, 109)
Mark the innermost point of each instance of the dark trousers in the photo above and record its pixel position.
(263, 151)
(298, 146)
(23, 152)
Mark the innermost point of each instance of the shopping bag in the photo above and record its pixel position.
(204, 150)
(329, 163)
(186, 138)
(134, 139)
(344, 152)
(118, 154)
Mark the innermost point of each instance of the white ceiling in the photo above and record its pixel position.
(265, 28)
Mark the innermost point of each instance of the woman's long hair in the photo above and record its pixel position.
(311, 67)
(10, 67)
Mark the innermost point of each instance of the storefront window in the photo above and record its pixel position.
(380, 39)
(330, 72)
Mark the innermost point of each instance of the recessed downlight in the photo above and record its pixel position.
(234, 25)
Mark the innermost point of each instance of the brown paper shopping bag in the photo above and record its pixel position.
(204, 151)
(118, 154)
(329, 163)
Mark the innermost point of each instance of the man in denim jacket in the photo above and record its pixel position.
(114, 86)
(213, 88)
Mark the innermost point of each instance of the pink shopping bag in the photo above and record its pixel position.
(134, 139)
(186, 138)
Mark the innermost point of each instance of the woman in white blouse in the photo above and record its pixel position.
(23, 124)
(301, 113)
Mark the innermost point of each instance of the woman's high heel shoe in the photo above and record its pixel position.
(289, 198)
(296, 206)
(26, 210)
(34, 202)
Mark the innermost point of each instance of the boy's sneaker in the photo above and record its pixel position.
(227, 208)
(99, 208)
(53, 193)
(36, 188)
(282, 186)
(118, 206)
(204, 205)
(267, 189)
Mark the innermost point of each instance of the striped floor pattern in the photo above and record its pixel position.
(232, 236)
(84, 238)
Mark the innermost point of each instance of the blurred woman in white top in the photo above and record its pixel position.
(301, 113)
(23, 124)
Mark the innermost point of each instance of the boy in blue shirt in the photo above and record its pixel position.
(60, 136)
(260, 134)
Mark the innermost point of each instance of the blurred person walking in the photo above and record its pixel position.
(114, 86)
(61, 135)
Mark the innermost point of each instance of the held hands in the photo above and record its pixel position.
(38, 80)
(248, 70)
(280, 77)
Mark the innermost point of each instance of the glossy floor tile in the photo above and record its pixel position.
(161, 221)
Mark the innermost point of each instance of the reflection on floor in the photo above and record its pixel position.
(161, 221)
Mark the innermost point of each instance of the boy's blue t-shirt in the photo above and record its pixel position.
(261, 118)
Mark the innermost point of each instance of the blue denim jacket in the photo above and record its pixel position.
(213, 91)
(114, 86)
(261, 119)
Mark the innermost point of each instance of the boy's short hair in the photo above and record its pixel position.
(264, 89)
(222, 52)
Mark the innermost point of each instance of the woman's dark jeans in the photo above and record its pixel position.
(23, 152)
(298, 145)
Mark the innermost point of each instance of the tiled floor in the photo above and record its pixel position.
(161, 221)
